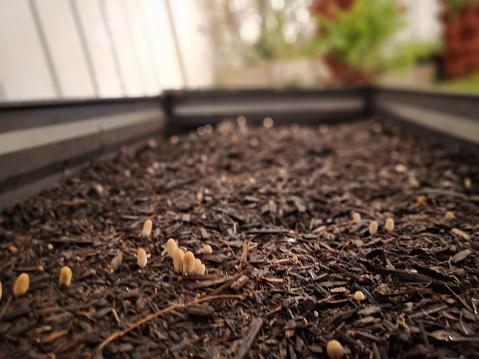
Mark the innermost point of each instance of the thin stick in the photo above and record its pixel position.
(152, 316)
(247, 342)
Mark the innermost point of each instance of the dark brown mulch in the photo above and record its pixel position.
(275, 205)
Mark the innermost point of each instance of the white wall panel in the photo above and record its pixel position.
(130, 69)
(137, 27)
(100, 48)
(162, 43)
(24, 73)
(190, 22)
(65, 48)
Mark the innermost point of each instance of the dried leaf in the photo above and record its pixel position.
(116, 262)
(460, 256)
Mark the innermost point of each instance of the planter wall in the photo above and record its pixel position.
(43, 142)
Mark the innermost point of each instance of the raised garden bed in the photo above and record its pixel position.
(276, 205)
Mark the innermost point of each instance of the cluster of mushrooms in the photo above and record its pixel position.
(184, 262)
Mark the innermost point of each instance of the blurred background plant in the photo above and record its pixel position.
(270, 39)
(460, 53)
(265, 30)
(310, 43)
(361, 42)
(454, 6)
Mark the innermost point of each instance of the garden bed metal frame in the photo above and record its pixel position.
(43, 142)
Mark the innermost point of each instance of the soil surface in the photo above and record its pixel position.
(276, 205)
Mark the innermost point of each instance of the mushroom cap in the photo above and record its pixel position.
(21, 285)
(197, 265)
(178, 260)
(207, 249)
(147, 227)
(65, 276)
(334, 349)
(171, 247)
(389, 226)
(201, 270)
(359, 296)
(188, 263)
(142, 257)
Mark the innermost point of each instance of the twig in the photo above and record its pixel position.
(404, 292)
(463, 302)
(244, 256)
(247, 342)
(420, 324)
(152, 316)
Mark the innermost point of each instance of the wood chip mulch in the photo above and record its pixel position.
(276, 205)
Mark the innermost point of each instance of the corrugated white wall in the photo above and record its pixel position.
(422, 19)
(53, 49)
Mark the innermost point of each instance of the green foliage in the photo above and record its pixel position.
(467, 84)
(364, 37)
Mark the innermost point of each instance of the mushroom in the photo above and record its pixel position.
(467, 183)
(373, 227)
(197, 265)
(359, 296)
(21, 285)
(65, 276)
(147, 228)
(171, 247)
(142, 258)
(449, 215)
(201, 270)
(334, 349)
(356, 217)
(178, 260)
(188, 263)
(389, 226)
(207, 249)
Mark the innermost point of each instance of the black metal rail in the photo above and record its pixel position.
(447, 115)
(42, 142)
(193, 108)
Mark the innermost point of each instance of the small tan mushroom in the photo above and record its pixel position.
(178, 260)
(142, 258)
(467, 183)
(147, 228)
(188, 263)
(171, 247)
(207, 249)
(356, 217)
(413, 182)
(21, 285)
(449, 215)
(201, 270)
(359, 296)
(1, 290)
(373, 227)
(65, 276)
(197, 265)
(421, 200)
(334, 349)
(389, 226)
